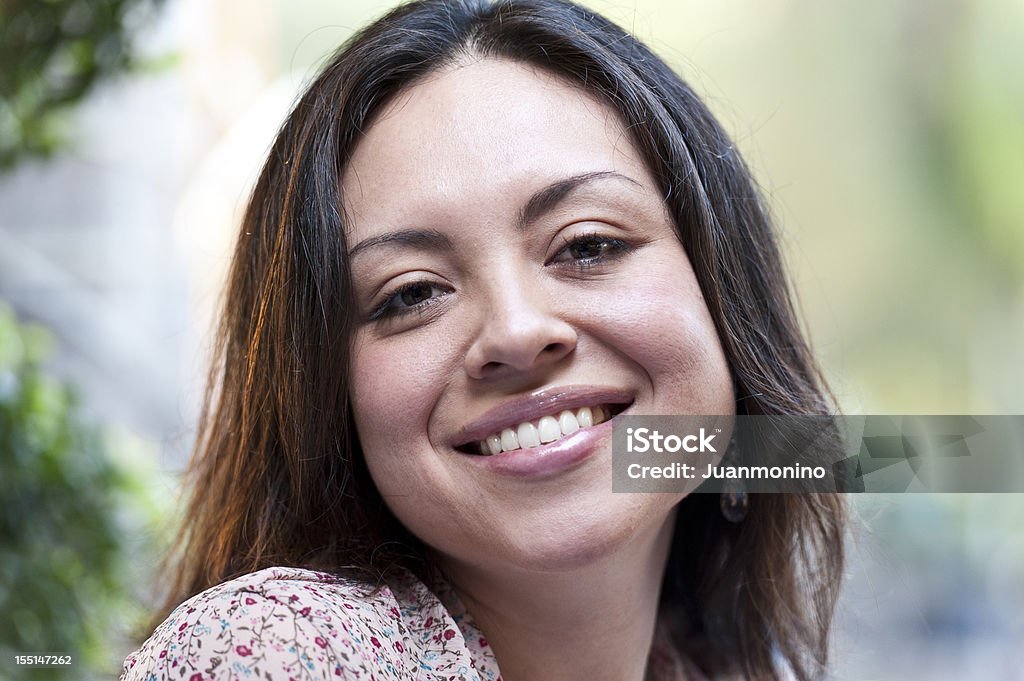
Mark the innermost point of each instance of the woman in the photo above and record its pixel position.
(486, 229)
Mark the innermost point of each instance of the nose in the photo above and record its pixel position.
(521, 332)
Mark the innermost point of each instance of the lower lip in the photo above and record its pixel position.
(550, 459)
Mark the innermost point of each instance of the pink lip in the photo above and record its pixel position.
(541, 403)
(549, 459)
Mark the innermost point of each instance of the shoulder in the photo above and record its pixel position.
(280, 623)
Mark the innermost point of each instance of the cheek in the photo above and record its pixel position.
(394, 389)
(396, 384)
(664, 326)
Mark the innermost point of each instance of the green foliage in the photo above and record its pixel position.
(52, 54)
(70, 517)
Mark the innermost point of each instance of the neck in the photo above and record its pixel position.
(593, 622)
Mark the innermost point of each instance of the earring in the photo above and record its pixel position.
(734, 501)
(733, 498)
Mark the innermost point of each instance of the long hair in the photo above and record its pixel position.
(278, 477)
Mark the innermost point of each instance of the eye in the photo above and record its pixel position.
(587, 250)
(408, 298)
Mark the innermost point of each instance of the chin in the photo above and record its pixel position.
(577, 540)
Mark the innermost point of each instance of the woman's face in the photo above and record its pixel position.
(515, 269)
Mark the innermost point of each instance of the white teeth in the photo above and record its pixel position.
(528, 436)
(494, 444)
(585, 417)
(567, 423)
(548, 429)
(509, 440)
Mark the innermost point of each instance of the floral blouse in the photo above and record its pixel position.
(291, 623)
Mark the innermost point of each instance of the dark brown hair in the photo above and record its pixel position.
(278, 476)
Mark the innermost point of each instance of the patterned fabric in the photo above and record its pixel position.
(291, 623)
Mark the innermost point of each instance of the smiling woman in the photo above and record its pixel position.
(487, 229)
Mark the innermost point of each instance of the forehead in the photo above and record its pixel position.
(475, 136)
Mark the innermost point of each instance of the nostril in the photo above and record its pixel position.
(491, 367)
(555, 349)
(501, 349)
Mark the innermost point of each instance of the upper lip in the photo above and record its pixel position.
(537, 404)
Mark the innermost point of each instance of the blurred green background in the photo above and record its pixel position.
(78, 512)
(887, 136)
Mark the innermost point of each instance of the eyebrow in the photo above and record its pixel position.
(548, 198)
(540, 204)
(421, 239)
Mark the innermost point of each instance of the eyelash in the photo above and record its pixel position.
(386, 311)
(616, 248)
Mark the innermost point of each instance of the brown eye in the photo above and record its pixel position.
(589, 250)
(416, 293)
(409, 298)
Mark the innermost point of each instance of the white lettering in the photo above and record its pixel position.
(641, 440)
